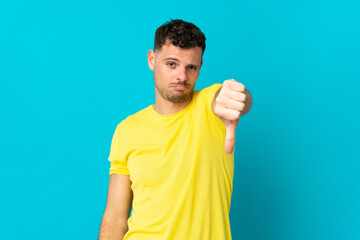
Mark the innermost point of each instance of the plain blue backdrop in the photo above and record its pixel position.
(70, 71)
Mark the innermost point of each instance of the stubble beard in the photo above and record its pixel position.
(173, 96)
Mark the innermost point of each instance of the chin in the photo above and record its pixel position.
(178, 98)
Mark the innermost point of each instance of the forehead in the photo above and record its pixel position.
(190, 55)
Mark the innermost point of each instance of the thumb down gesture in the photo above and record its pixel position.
(229, 105)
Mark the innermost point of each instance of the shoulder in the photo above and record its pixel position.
(133, 121)
(207, 94)
(208, 90)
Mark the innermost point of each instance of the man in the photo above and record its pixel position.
(173, 161)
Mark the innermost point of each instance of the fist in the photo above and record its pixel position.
(228, 104)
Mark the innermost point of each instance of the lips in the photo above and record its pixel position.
(179, 87)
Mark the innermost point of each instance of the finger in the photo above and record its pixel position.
(236, 86)
(228, 114)
(238, 96)
(234, 105)
(230, 137)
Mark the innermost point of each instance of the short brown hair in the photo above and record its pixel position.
(180, 33)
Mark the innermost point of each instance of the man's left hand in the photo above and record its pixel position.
(228, 105)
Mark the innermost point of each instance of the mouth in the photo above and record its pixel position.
(179, 87)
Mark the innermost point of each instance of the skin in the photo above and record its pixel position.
(118, 206)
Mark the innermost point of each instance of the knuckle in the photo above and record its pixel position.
(243, 96)
(242, 106)
(242, 86)
(233, 115)
(226, 83)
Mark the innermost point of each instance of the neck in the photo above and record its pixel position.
(165, 107)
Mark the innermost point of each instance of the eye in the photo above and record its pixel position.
(171, 64)
(191, 67)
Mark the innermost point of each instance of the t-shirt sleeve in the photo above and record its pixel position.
(117, 157)
(210, 94)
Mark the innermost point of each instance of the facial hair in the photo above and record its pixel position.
(174, 95)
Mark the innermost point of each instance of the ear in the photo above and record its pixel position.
(151, 59)
(201, 62)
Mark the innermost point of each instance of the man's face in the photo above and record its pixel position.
(175, 71)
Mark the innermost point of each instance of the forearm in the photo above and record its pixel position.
(111, 229)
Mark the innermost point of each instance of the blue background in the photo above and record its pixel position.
(70, 71)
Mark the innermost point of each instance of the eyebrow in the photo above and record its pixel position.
(174, 59)
(177, 60)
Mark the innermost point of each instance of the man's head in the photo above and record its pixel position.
(176, 60)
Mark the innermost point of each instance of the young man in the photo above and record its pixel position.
(173, 161)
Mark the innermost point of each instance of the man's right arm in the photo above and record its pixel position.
(118, 206)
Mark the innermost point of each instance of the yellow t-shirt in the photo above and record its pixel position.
(181, 176)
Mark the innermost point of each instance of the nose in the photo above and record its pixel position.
(181, 75)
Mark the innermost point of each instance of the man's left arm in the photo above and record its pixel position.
(231, 102)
